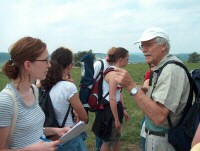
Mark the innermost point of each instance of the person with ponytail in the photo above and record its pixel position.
(29, 60)
(64, 95)
(107, 124)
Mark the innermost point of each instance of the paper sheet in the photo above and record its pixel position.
(73, 132)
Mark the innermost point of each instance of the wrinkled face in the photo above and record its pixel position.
(39, 67)
(152, 51)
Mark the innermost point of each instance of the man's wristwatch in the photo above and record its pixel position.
(135, 90)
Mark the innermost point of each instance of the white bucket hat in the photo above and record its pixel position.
(153, 33)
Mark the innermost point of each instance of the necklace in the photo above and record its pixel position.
(16, 84)
(22, 91)
(28, 97)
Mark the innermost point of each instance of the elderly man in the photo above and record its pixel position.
(170, 94)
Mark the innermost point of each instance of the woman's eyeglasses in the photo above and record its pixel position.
(47, 60)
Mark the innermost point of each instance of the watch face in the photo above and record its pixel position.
(134, 91)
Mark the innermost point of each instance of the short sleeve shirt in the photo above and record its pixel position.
(30, 119)
(61, 94)
(172, 91)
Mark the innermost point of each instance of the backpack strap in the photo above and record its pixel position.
(64, 120)
(14, 116)
(109, 69)
(36, 91)
(66, 115)
(101, 69)
(100, 75)
(192, 88)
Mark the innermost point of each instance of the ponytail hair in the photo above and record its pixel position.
(24, 49)
(115, 53)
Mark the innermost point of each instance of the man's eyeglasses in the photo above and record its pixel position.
(47, 60)
(146, 46)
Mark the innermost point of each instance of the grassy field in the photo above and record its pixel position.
(130, 139)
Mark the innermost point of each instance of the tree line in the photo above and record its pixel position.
(193, 57)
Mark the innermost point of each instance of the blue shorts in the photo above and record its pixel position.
(76, 144)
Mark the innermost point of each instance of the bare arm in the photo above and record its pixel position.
(44, 146)
(4, 137)
(155, 111)
(112, 94)
(54, 130)
(196, 138)
(78, 107)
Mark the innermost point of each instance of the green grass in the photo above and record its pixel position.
(3, 80)
(130, 139)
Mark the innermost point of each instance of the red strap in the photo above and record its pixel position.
(108, 70)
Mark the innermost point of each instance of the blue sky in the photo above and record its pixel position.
(99, 24)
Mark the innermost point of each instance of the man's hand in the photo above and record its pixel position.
(124, 79)
(126, 115)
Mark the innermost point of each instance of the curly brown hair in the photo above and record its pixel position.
(60, 59)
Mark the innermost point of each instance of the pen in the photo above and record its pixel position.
(47, 140)
(44, 139)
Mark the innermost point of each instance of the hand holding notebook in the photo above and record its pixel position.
(73, 132)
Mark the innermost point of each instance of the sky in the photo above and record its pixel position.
(81, 25)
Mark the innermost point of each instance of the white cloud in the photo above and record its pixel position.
(99, 24)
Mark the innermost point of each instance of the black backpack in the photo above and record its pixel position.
(46, 105)
(196, 78)
(181, 135)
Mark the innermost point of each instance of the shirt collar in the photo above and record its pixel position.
(163, 61)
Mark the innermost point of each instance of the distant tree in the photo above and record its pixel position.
(79, 55)
(194, 57)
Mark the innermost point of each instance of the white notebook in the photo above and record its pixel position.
(73, 132)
